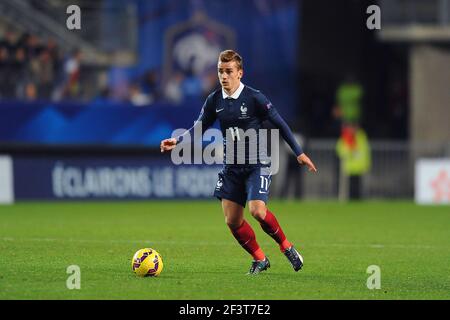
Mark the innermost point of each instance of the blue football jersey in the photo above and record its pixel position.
(241, 121)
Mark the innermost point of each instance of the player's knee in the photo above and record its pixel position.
(258, 212)
(233, 223)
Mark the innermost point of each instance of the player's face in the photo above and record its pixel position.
(229, 76)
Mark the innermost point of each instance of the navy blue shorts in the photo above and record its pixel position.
(242, 184)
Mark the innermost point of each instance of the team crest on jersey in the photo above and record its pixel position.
(243, 111)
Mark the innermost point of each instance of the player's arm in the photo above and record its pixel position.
(275, 118)
(271, 114)
(205, 120)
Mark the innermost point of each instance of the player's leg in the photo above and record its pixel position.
(268, 222)
(241, 230)
(258, 193)
(230, 189)
(244, 234)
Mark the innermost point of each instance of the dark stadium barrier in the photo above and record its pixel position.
(72, 123)
(100, 174)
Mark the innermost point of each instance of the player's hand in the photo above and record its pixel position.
(303, 159)
(168, 144)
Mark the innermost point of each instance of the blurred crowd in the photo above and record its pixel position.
(34, 69)
(31, 68)
(177, 88)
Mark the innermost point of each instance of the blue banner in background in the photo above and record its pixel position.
(86, 124)
(95, 178)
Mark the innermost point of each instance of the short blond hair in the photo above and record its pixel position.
(231, 55)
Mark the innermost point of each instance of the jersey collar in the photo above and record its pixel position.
(236, 94)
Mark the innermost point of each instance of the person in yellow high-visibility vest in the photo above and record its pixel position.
(353, 150)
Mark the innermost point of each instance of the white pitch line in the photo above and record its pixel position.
(216, 243)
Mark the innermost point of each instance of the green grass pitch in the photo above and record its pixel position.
(38, 241)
